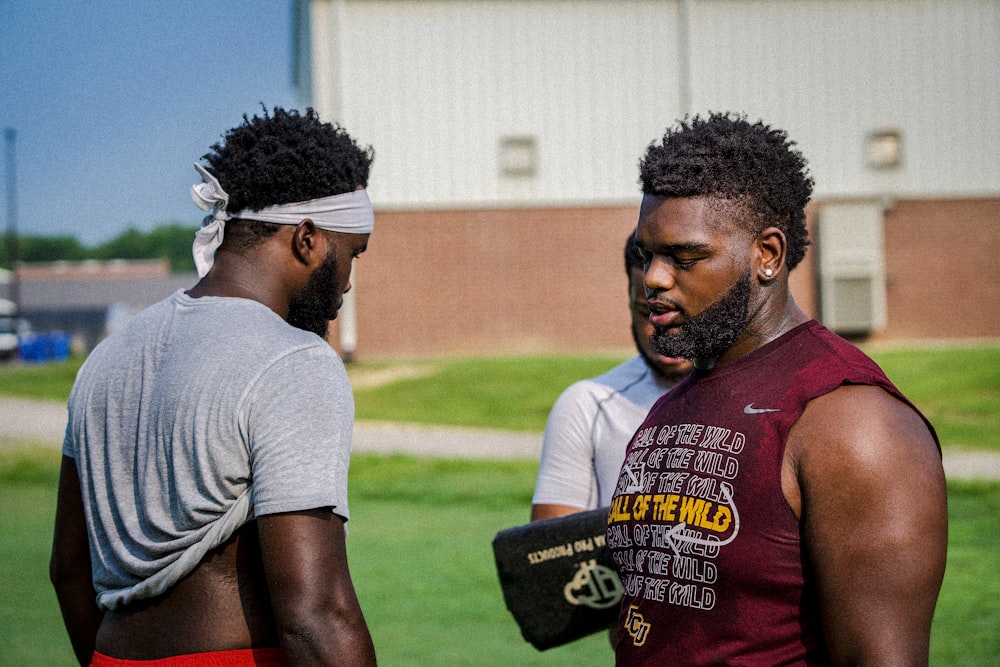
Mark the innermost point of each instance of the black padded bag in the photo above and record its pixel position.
(557, 577)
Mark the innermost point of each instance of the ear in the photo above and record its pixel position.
(308, 244)
(768, 254)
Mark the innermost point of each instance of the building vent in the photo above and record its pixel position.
(518, 156)
(852, 299)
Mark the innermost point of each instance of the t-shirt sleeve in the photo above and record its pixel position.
(299, 419)
(566, 472)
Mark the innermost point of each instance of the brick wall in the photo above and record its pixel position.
(943, 269)
(548, 280)
(501, 282)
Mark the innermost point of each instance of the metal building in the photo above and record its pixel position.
(508, 108)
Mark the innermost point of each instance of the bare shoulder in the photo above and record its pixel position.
(863, 473)
(860, 437)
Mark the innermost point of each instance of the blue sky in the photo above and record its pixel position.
(113, 101)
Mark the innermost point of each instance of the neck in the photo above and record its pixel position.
(243, 277)
(758, 333)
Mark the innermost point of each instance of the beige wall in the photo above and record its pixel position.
(548, 280)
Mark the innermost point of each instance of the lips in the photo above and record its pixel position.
(663, 319)
(671, 361)
(663, 314)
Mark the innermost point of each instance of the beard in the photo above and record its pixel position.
(671, 373)
(318, 302)
(712, 331)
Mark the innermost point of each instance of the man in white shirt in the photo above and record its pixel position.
(593, 420)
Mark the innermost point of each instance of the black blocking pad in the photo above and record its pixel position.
(557, 577)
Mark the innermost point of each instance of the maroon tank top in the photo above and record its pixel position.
(708, 549)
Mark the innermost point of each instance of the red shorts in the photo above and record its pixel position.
(245, 657)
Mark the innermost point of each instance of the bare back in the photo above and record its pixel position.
(222, 605)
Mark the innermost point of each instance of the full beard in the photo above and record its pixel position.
(712, 331)
(314, 307)
(668, 374)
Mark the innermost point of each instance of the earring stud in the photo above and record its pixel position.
(768, 272)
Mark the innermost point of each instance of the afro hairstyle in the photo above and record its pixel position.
(749, 165)
(283, 157)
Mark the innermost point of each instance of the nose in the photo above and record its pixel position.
(659, 275)
(348, 287)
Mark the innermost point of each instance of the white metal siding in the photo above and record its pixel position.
(832, 71)
(435, 84)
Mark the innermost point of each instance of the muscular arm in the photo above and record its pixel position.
(69, 567)
(865, 476)
(315, 606)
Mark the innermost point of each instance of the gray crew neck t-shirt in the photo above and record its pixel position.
(195, 417)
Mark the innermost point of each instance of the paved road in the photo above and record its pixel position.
(43, 422)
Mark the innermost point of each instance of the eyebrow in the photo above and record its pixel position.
(674, 247)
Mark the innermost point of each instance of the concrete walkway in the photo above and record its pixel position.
(43, 422)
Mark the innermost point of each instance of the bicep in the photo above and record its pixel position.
(566, 474)
(70, 547)
(315, 607)
(873, 509)
(305, 560)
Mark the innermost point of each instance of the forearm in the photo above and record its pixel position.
(550, 511)
(81, 615)
(69, 566)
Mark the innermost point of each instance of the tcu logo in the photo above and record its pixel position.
(637, 628)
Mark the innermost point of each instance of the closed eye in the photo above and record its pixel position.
(682, 256)
(684, 263)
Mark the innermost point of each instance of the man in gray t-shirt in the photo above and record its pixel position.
(203, 492)
(593, 420)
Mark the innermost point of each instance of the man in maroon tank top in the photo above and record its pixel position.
(784, 504)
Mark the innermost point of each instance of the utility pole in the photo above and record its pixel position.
(10, 138)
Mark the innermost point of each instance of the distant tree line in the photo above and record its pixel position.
(170, 241)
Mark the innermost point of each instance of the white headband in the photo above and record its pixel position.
(350, 213)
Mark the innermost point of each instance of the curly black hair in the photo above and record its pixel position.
(750, 165)
(285, 157)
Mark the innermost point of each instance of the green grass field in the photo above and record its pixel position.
(421, 558)
(421, 530)
(957, 387)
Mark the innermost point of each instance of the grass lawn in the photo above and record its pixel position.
(957, 387)
(421, 558)
(421, 533)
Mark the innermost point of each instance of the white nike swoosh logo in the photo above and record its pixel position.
(751, 410)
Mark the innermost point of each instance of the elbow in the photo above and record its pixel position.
(71, 581)
(59, 577)
(338, 635)
(66, 575)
